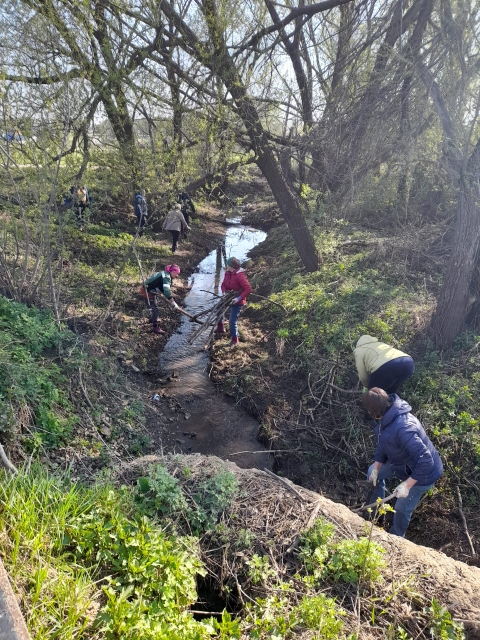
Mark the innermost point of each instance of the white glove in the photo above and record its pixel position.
(373, 478)
(402, 490)
(237, 300)
(174, 304)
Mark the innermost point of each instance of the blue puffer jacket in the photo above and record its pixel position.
(402, 441)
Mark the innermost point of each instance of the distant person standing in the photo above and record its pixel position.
(188, 208)
(82, 202)
(234, 280)
(175, 223)
(160, 283)
(380, 365)
(141, 210)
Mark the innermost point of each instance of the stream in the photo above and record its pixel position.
(202, 419)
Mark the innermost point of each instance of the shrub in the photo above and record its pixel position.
(353, 560)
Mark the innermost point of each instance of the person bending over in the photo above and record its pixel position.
(159, 283)
(380, 365)
(404, 451)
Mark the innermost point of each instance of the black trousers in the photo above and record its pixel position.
(175, 236)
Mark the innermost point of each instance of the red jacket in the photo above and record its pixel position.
(237, 281)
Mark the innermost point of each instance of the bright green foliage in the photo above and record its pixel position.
(355, 560)
(315, 544)
(442, 627)
(159, 492)
(273, 618)
(28, 379)
(260, 569)
(227, 628)
(319, 613)
(346, 561)
(62, 541)
(213, 496)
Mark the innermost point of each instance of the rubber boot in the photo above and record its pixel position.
(156, 329)
(220, 328)
(234, 341)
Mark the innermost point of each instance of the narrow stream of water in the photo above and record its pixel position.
(202, 419)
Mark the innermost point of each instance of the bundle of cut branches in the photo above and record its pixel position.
(214, 315)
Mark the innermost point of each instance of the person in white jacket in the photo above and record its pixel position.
(175, 223)
(380, 365)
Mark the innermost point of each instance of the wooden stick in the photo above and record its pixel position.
(375, 504)
(347, 391)
(462, 515)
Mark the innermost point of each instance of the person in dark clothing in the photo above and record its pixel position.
(141, 210)
(404, 451)
(159, 283)
(188, 208)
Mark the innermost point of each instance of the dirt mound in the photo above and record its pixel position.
(275, 511)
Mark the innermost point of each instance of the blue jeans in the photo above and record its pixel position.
(391, 374)
(404, 507)
(233, 320)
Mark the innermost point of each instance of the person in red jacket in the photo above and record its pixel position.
(234, 280)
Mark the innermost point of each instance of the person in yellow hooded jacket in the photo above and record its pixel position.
(380, 365)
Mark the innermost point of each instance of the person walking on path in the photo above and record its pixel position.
(234, 280)
(188, 208)
(141, 210)
(175, 222)
(81, 203)
(159, 283)
(404, 451)
(380, 365)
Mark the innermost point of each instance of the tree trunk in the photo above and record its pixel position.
(288, 203)
(452, 304)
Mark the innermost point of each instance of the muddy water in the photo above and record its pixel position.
(202, 420)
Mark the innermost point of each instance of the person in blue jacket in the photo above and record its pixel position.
(404, 451)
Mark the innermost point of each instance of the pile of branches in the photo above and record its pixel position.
(214, 315)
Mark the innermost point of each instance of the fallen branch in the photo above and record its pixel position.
(352, 392)
(465, 528)
(257, 295)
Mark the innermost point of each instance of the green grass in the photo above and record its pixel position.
(88, 565)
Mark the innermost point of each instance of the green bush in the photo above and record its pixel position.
(354, 560)
(159, 492)
(319, 613)
(30, 382)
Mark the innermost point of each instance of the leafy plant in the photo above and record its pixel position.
(442, 627)
(159, 492)
(319, 613)
(353, 560)
(260, 569)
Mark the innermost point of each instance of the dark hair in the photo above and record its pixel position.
(376, 401)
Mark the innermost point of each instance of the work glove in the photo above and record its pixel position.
(373, 477)
(174, 304)
(237, 300)
(402, 490)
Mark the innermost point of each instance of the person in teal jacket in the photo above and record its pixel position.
(159, 283)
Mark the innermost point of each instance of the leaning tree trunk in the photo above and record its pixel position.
(452, 304)
(288, 203)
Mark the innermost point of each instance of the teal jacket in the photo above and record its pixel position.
(160, 282)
